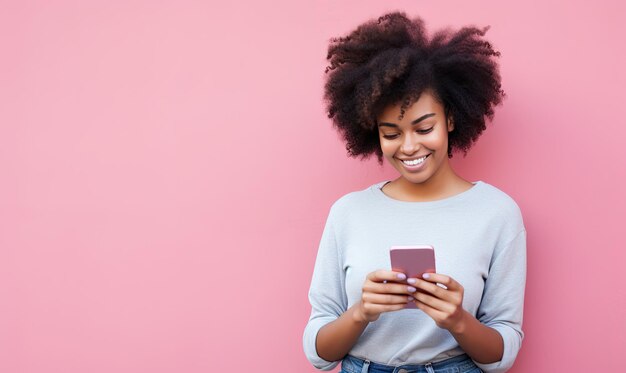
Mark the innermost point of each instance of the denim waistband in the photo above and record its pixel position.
(462, 363)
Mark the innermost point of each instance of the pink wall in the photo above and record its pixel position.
(167, 168)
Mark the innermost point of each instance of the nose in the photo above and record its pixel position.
(410, 144)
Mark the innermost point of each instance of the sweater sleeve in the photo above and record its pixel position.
(502, 305)
(326, 294)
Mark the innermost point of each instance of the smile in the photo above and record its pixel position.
(415, 162)
(414, 165)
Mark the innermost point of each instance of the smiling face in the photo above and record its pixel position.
(417, 145)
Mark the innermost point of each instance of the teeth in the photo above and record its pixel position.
(415, 161)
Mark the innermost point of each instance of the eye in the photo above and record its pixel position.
(425, 131)
(390, 137)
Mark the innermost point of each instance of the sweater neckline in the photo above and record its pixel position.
(377, 189)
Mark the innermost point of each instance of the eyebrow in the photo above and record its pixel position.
(416, 121)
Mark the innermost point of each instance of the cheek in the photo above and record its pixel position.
(437, 140)
(386, 146)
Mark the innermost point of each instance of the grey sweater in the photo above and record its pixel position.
(479, 240)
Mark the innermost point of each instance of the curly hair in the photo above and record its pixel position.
(391, 60)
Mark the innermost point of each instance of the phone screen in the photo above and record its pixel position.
(413, 261)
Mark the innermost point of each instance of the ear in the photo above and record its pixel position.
(450, 124)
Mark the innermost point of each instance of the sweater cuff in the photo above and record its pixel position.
(309, 338)
(512, 340)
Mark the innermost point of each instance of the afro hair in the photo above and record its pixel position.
(392, 60)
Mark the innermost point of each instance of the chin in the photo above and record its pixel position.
(416, 181)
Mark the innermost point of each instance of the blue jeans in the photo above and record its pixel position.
(457, 364)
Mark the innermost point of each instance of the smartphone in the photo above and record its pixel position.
(413, 261)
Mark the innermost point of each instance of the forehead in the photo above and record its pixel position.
(427, 103)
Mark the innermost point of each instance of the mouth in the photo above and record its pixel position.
(414, 162)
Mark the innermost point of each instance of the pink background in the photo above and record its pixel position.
(167, 168)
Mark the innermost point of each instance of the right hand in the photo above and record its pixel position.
(383, 293)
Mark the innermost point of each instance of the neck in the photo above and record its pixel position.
(445, 182)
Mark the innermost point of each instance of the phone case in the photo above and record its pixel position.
(413, 261)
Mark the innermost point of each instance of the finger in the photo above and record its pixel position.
(430, 311)
(446, 281)
(389, 288)
(385, 275)
(386, 298)
(434, 303)
(432, 289)
(380, 308)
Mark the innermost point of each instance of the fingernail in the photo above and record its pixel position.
(426, 275)
(411, 299)
(411, 281)
(411, 289)
(401, 276)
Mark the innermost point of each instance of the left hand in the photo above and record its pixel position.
(445, 306)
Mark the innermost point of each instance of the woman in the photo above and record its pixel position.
(413, 100)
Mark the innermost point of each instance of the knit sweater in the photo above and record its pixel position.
(479, 240)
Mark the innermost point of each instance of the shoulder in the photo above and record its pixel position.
(353, 201)
(500, 205)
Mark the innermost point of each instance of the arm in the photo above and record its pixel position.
(494, 338)
(336, 338)
(326, 293)
(502, 305)
(482, 343)
(333, 329)
(381, 293)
